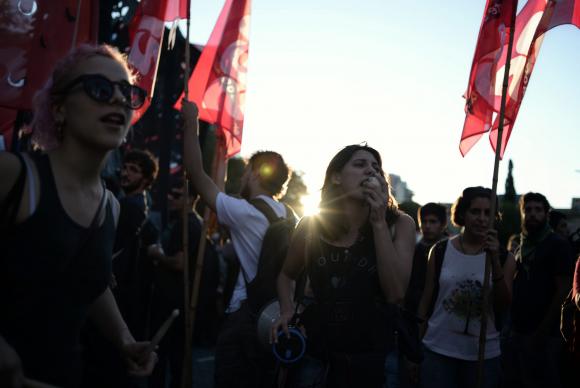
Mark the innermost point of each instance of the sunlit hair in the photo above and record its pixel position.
(272, 171)
(44, 130)
(463, 203)
(332, 220)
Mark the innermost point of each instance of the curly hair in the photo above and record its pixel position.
(463, 203)
(332, 221)
(43, 125)
(272, 171)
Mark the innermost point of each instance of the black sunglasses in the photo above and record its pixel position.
(101, 89)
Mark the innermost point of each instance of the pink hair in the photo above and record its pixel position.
(44, 128)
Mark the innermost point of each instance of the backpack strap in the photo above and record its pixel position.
(439, 254)
(9, 208)
(269, 213)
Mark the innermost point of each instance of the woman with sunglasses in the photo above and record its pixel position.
(451, 301)
(58, 223)
(357, 255)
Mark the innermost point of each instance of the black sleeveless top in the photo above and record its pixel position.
(349, 314)
(48, 281)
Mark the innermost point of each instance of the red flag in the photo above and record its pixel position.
(530, 29)
(33, 36)
(146, 37)
(218, 83)
(480, 96)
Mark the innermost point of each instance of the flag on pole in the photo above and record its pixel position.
(34, 35)
(532, 22)
(218, 82)
(540, 17)
(146, 37)
(481, 97)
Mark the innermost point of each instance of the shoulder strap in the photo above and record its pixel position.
(9, 208)
(439, 254)
(265, 209)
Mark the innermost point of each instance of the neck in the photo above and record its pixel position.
(80, 165)
(356, 214)
(471, 244)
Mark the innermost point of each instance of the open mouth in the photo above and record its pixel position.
(114, 119)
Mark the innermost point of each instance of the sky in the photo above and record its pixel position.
(323, 74)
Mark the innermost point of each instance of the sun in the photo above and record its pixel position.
(310, 204)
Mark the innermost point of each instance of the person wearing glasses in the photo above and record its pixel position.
(58, 223)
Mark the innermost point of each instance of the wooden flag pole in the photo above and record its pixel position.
(187, 373)
(493, 207)
(77, 22)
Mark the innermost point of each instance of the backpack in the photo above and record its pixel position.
(262, 289)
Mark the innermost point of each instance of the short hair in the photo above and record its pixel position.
(43, 125)
(463, 203)
(534, 197)
(272, 171)
(435, 209)
(555, 217)
(145, 160)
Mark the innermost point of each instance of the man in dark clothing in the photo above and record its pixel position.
(543, 278)
(168, 292)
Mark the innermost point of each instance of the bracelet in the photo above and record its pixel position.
(499, 278)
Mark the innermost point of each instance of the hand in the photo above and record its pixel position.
(375, 190)
(140, 360)
(155, 253)
(10, 367)
(280, 324)
(491, 244)
(189, 111)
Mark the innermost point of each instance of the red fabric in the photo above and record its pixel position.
(146, 37)
(33, 36)
(531, 27)
(481, 95)
(218, 82)
(535, 18)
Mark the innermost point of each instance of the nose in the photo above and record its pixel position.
(118, 97)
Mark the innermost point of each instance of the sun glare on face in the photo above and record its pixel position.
(310, 204)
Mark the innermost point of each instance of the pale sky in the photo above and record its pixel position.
(323, 74)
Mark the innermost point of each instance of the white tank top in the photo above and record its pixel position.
(453, 329)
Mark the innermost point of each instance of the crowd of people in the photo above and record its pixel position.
(86, 269)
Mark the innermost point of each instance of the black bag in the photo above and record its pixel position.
(262, 289)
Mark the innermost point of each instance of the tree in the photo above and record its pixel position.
(510, 189)
(510, 214)
(296, 190)
(465, 301)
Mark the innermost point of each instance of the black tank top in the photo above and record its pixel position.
(51, 270)
(349, 304)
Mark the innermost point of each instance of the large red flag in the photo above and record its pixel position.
(146, 37)
(218, 83)
(33, 36)
(530, 29)
(480, 96)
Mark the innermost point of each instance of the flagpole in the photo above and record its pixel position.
(187, 372)
(77, 22)
(493, 204)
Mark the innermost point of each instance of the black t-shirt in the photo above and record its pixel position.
(534, 284)
(418, 274)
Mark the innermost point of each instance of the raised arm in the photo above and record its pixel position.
(204, 185)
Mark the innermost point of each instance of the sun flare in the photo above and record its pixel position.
(310, 204)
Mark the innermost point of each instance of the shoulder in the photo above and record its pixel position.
(10, 168)
(405, 226)
(115, 206)
(231, 211)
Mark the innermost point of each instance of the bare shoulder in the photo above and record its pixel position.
(9, 170)
(405, 224)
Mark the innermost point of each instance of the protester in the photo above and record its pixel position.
(168, 288)
(59, 223)
(238, 359)
(559, 223)
(451, 302)
(357, 255)
(543, 278)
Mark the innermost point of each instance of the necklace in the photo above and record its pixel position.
(479, 250)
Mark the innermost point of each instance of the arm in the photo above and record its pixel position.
(10, 366)
(106, 316)
(576, 285)
(204, 185)
(553, 313)
(293, 266)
